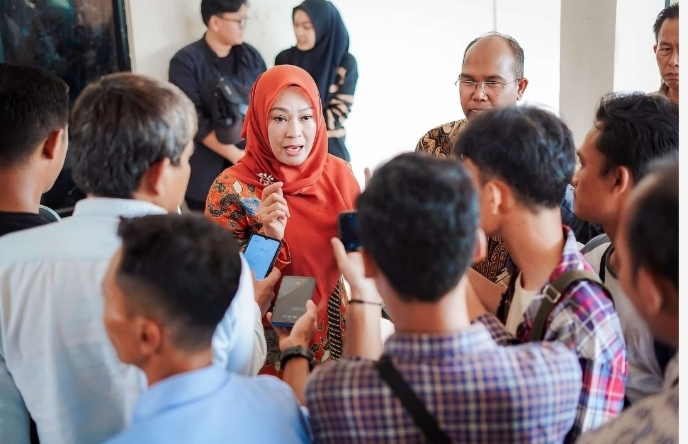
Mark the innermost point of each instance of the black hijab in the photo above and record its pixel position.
(331, 45)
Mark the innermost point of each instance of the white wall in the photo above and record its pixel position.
(158, 29)
(409, 57)
(635, 65)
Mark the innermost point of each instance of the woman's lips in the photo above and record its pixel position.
(293, 150)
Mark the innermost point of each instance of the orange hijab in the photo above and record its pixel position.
(316, 191)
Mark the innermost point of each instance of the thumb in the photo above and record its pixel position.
(269, 317)
(368, 175)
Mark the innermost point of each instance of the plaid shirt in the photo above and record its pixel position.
(478, 391)
(585, 321)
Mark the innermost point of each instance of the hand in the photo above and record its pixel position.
(265, 290)
(351, 266)
(474, 306)
(368, 175)
(303, 330)
(273, 211)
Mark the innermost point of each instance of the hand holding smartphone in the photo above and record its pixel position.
(261, 253)
(291, 300)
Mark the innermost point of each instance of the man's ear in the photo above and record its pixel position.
(654, 48)
(370, 267)
(153, 180)
(52, 144)
(480, 246)
(651, 302)
(150, 337)
(522, 85)
(497, 194)
(623, 180)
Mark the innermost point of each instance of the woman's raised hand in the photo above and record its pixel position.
(273, 211)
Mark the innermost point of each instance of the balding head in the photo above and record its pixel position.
(497, 60)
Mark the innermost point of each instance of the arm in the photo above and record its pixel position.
(339, 106)
(363, 321)
(489, 293)
(182, 75)
(14, 418)
(296, 370)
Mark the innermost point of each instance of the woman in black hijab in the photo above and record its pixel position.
(322, 49)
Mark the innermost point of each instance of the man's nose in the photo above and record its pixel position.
(479, 92)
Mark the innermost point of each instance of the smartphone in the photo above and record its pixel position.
(347, 225)
(293, 294)
(261, 253)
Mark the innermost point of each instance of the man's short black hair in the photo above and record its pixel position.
(121, 125)
(530, 149)
(210, 8)
(635, 129)
(183, 270)
(670, 12)
(33, 104)
(418, 219)
(653, 231)
(516, 49)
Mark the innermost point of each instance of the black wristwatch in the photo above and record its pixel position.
(295, 351)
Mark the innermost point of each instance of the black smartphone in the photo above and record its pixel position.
(347, 225)
(293, 294)
(261, 253)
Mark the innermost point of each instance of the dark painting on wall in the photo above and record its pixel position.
(78, 40)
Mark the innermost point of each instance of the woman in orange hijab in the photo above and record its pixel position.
(288, 187)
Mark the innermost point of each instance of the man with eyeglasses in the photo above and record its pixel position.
(492, 77)
(206, 70)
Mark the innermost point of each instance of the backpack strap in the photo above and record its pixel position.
(553, 292)
(411, 402)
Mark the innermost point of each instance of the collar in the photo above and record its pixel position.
(178, 390)
(419, 346)
(107, 207)
(571, 258)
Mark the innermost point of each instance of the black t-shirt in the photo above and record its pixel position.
(11, 222)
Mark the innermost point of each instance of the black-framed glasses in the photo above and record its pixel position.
(492, 87)
(242, 22)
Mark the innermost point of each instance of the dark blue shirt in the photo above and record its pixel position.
(191, 69)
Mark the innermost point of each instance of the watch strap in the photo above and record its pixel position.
(295, 351)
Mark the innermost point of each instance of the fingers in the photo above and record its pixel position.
(273, 202)
(339, 252)
(368, 175)
(274, 188)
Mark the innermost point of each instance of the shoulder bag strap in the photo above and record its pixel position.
(553, 293)
(413, 405)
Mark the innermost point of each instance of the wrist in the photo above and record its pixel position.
(303, 354)
(293, 342)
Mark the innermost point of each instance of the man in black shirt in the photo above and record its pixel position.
(196, 70)
(34, 112)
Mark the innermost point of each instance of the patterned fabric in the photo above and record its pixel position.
(438, 142)
(652, 420)
(585, 321)
(234, 205)
(478, 391)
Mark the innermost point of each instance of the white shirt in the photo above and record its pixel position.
(55, 356)
(519, 304)
(652, 420)
(644, 375)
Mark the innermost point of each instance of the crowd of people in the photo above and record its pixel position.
(533, 300)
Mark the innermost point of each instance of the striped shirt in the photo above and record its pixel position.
(478, 391)
(585, 321)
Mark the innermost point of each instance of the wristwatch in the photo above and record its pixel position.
(295, 351)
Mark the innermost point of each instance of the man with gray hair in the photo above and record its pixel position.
(132, 137)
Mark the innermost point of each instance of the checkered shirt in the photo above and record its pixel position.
(585, 321)
(478, 391)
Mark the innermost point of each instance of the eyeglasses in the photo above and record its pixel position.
(488, 88)
(242, 22)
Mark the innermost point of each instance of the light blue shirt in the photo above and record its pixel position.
(214, 406)
(55, 357)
